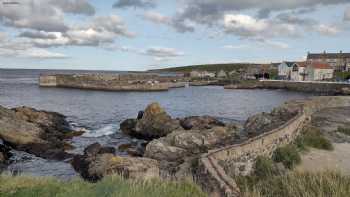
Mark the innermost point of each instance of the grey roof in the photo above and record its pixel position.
(328, 55)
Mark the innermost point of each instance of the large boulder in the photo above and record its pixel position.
(180, 145)
(200, 122)
(153, 123)
(37, 132)
(98, 162)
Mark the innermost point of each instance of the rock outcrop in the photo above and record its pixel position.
(182, 145)
(200, 122)
(99, 161)
(262, 122)
(37, 132)
(153, 123)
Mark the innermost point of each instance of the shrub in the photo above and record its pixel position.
(343, 130)
(264, 167)
(113, 186)
(313, 137)
(288, 155)
(299, 184)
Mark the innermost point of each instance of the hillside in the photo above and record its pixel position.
(212, 67)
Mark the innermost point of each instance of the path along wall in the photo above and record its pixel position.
(219, 166)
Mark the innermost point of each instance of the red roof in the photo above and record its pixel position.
(301, 64)
(319, 65)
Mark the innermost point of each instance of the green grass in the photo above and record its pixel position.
(288, 155)
(342, 75)
(343, 130)
(114, 186)
(297, 184)
(313, 137)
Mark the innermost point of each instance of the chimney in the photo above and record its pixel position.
(341, 51)
(324, 52)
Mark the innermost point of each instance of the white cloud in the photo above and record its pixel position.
(156, 17)
(328, 30)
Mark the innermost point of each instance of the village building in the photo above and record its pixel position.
(317, 71)
(298, 72)
(221, 74)
(338, 61)
(285, 70)
(201, 74)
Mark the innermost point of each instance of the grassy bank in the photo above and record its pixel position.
(111, 186)
(299, 184)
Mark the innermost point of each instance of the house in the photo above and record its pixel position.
(285, 70)
(317, 71)
(201, 74)
(221, 74)
(338, 61)
(298, 72)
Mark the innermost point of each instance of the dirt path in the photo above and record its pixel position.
(321, 160)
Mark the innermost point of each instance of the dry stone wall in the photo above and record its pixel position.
(218, 166)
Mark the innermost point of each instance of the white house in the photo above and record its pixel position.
(317, 71)
(201, 74)
(221, 74)
(298, 71)
(285, 70)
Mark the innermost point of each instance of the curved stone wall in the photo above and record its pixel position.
(239, 159)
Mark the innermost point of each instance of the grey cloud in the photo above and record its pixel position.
(209, 12)
(37, 35)
(135, 4)
(75, 6)
(347, 14)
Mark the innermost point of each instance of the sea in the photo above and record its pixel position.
(99, 113)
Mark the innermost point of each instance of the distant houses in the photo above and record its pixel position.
(305, 71)
(201, 74)
(338, 61)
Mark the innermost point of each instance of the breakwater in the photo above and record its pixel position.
(111, 82)
(219, 166)
(323, 88)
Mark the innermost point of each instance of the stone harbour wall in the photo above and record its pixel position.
(220, 165)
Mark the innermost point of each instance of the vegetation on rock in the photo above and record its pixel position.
(110, 186)
(343, 130)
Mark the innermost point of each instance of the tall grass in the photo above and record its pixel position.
(313, 137)
(113, 186)
(343, 130)
(299, 184)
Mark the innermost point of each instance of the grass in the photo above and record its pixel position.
(298, 184)
(288, 155)
(343, 130)
(114, 186)
(313, 137)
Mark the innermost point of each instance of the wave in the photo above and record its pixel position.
(106, 130)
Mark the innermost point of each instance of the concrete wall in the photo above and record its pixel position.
(219, 166)
(48, 81)
(325, 88)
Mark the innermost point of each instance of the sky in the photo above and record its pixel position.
(149, 34)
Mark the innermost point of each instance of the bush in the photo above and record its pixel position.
(113, 186)
(313, 137)
(299, 184)
(264, 167)
(343, 130)
(288, 155)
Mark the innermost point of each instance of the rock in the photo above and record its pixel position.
(140, 115)
(155, 123)
(128, 127)
(345, 91)
(255, 125)
(5, 155)
(200, 122)
(178, 146)
(95, 164)
(37, 132)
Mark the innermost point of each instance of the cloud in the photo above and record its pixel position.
(101, 30)
(162, 53)
(135, 4)
(13, 48)
(247, 26)
(347, 14)
(327, 30)
(156, 17)
(212, 12)
(43, 15)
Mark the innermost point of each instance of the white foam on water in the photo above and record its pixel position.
(106, 130)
